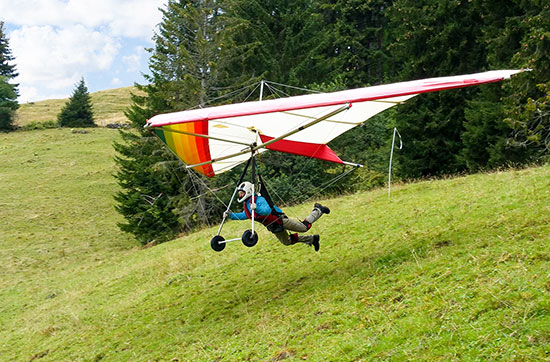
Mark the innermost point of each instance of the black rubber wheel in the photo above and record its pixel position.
(249, 239)
(215, 243)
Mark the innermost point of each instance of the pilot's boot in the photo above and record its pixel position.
(315, 242)
(324, 209)
(312, 240)
(318, 211)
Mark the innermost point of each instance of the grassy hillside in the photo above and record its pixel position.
(108, 107)
(446, 270)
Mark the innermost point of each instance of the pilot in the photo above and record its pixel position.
(275, 220)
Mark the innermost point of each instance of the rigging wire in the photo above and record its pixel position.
(277, 93)
(199, 204)
(316, 190)
(293, 87)
(252, 92)
(207, 188)
(227, 95)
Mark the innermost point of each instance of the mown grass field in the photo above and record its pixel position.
(445, 270)
(108, 107)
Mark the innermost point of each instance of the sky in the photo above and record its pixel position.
(55, 43)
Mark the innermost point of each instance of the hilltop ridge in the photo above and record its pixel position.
(108, 107)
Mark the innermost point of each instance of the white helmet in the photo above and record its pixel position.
(248, 189)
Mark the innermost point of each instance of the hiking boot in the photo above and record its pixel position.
(324, 209)
(315, 242)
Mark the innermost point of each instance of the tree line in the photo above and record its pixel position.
(206, 51)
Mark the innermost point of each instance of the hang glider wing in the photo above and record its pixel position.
(215, 139)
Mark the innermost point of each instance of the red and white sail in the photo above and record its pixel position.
(215, 139)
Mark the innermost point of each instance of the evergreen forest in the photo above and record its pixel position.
(212, 52)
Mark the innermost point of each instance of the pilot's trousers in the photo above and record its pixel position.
(290, 224)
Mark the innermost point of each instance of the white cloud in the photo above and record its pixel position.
(137, 19)
(56, 42)
(32, 12)
(60, 56)
(133, 62)
(126, 18)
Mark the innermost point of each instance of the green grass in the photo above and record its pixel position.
(445, 270)
(108, 107)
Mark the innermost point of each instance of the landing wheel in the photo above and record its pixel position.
(215, 243)
(249, 239)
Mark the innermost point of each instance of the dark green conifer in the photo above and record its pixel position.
(155, 199)
(8, 92)
(77, 112)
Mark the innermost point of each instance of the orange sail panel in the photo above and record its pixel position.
(190, 149)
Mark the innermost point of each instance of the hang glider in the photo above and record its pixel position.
(215, 139)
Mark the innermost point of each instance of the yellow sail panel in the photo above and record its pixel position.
(189, 148)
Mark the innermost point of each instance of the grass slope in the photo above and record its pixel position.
(446, 270)
(108, 107)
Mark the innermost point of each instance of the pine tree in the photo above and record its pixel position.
(433, 38)
(184, 62)
(353, 36)
(8, 92)
(274, 40)
(156, 188)
(486, 134)
(6, 69)
(528, 107)
(8, 104)
(77, 112)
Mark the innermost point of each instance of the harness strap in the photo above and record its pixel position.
(266, 220)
